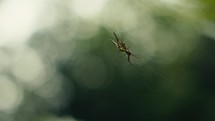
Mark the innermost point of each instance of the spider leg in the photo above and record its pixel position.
(129, 59)
(114, 42)
(117, 39)
(133, 54)
(129, 56)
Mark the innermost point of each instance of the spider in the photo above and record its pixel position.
(122, 48)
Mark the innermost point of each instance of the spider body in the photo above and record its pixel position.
(122, 47)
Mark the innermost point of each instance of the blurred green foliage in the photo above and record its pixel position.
(84, 77)
(208, 8)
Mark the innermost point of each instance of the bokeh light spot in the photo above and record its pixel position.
(18, 20)
(28, 67)
(10, 95)
(88, 8)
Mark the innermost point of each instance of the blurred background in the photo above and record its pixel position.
(58, 63)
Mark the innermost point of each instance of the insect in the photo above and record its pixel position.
(122, 48)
